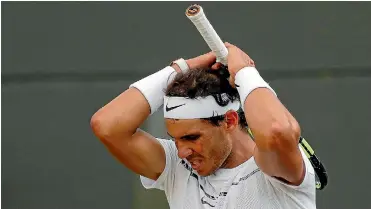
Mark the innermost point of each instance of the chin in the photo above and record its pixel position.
(204, 173)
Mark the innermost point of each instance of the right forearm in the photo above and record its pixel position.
(122, 116)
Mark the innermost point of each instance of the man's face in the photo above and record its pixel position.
(205, 146)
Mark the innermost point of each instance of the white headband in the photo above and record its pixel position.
(185, 108)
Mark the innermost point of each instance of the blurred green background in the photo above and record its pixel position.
(61, 61)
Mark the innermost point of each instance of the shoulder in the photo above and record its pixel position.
(303, 194)
(165, 180)
(167, 143)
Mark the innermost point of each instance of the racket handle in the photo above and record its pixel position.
(196, 14)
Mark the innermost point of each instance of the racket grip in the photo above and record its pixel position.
(196, 14)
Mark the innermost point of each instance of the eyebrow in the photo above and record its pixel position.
(183, 137)
(170, 135)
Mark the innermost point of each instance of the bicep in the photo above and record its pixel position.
(142, 153)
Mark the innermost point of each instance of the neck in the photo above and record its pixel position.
(242, 149)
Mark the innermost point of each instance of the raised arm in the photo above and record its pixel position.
(116, 124)
(276, 132)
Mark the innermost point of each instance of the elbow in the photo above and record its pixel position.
(99, 127)
(284, 134)
(107, 129)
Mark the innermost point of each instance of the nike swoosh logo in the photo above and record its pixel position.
(171, 108)
(237, 85)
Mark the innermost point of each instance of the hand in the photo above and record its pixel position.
(203, 62)
(237, 59)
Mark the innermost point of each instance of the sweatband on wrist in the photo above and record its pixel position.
(182, 64)
(247, 80)
(153, 86)
(201, 107)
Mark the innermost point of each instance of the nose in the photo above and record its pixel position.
(183, 150)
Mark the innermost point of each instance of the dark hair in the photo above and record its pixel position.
(203, 83)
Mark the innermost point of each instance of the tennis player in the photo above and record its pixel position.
(212, 161)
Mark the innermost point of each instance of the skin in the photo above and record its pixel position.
(224, 146)
(117, 124)
(275, 130)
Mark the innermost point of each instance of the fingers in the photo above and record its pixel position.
(231, 48)
(216, 66)
(235, 50)
(237, 60)
(202, 61)
(228, 45)
(210, 55)
(208, 58)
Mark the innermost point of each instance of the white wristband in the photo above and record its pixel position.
(182, 64)
(153, 87)
(247, 80)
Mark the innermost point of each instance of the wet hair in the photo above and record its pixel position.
(203, 83)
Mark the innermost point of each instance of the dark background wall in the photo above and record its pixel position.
(61, 61)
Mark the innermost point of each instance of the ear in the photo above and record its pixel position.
(231, 120)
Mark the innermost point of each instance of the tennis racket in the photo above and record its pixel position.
(196, 14)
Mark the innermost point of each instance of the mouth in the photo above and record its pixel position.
(196, 164)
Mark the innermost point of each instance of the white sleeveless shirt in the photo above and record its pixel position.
(244, 186)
